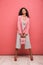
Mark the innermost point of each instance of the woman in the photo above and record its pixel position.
(23, 31)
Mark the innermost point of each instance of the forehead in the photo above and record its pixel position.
(23, 9)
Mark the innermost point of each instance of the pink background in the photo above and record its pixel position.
(8, 20)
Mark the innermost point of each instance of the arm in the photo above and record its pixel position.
(26, 30)
(19, 25)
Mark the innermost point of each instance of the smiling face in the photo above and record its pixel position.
(23, 11)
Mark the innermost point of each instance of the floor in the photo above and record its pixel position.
(21, 60)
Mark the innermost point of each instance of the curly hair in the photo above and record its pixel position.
(20, 12)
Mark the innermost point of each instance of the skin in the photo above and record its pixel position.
(22, 35)
(24, 18)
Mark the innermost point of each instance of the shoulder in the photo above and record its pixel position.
(19, 16)
(27, 18)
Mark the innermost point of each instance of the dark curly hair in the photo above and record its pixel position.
(20, 12)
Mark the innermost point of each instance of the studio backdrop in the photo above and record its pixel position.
(8, 25)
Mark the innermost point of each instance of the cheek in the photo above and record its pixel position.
(23, 11)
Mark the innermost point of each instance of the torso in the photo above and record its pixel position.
(23, 24)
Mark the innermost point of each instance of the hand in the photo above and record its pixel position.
(21, 34)
(24, 34)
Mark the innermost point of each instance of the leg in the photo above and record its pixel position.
(16, 55)
(18, 46)
(31, 57)
(28, 46)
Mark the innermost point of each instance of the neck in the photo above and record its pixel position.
(24, 15)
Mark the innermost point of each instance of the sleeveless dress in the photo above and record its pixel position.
(27, 39)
